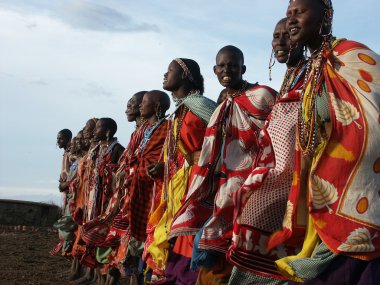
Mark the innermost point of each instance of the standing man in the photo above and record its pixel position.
(63, 141)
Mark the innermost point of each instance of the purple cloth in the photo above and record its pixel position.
(347, 271)
(178, 271)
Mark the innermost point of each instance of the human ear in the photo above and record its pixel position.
(214, 68)
(243, 69)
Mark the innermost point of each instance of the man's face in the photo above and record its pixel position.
(62, 141)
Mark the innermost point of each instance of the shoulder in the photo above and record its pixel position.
(262, 91)
(342, 46)
(192, 119)
(118, 148)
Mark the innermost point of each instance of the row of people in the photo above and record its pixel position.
(265, 188)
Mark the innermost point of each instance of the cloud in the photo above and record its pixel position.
(91, 16)
(95, 90)
(84, 15)
(31, 26)
(38, 81)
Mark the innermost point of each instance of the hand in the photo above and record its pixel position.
(156, 170)
(63, 186)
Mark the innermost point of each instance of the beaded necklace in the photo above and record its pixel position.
(238, 92)
(307, 117)
(292, 76)
(176, 134)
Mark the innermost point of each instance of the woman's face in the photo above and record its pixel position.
(62, 140)
(73, 146)
(229, 69)
(100, 132)
(281, 42)
(148, 106)
(304, 22)
(132, 111)
(79, 142)
(173, 77)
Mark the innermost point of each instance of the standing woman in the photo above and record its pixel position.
(182, 148)
(118, 230)
(260, 204)
(228, 153)
(338, 141)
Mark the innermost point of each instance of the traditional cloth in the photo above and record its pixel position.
(219, 274)
(80, 200)
(141, 189)
(65, 167)
(242, 277)
(117, 235)
(102, 193)
(184, 140)
(342, 180)
(227, 156)
(345, 270)
(345, 208)
(77, 205)
(66, 226)
(261, 201)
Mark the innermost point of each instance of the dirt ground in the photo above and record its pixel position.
(25, 259)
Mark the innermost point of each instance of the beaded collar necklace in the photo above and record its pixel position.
(238, 92)
(307, 115)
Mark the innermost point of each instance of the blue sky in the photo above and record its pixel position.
(63, 62)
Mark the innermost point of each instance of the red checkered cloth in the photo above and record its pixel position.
(142, 186)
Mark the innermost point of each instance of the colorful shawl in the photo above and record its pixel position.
(344, 181)
(227, 156)
(177, 173)
(142, 186)
(260, 203)
(201, 106)
(117, 235)
(105, 158)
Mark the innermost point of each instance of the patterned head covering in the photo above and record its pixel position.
(328, 4)
(185, 69)
(329, 12)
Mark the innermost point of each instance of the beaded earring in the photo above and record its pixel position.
(108, 136)
(272, 61)
(158, 112)
(325, 29)
(139, 122)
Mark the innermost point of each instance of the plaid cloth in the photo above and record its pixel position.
(141, 188)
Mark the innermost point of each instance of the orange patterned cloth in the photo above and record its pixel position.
(345, 181)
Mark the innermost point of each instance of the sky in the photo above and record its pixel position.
(65, 61)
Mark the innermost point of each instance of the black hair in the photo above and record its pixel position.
(110, 124)
(195, 71)
(162, 98)
(66, 133)
(139, 95)
(233, 49)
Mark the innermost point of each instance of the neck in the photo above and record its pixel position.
(294, 62)
(139, 121)
(237, 87)
(315, 44)
(182, 91)
(153, 119)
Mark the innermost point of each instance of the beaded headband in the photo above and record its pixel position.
(328, 4)
(185, 69)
